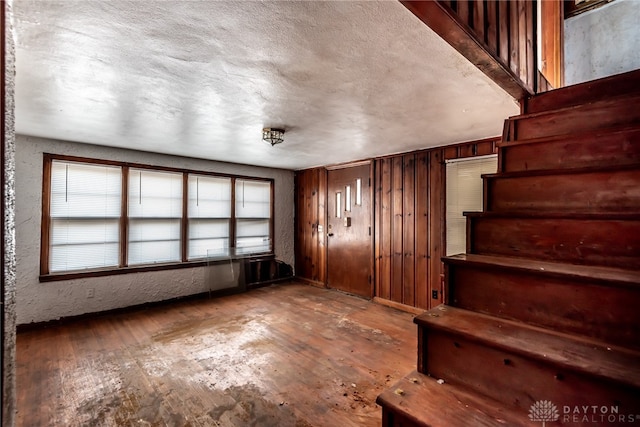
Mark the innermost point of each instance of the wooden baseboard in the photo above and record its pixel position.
(311, 282)
(398, 306)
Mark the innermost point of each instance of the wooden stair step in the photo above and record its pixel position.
(564, 297)
(518, 364)
(599, 189)
(580, 118)
(611, 276)
(607, 147)
(591, 91)
(573, 353)
(419, 400)
(599, 239)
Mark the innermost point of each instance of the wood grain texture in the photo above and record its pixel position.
(436, 226)
(349, 247)
(609, 113)
(424, 402)
(587, 239)
(310, 210)
(423, 247)
(613, 189)
(397, 246)
(456, 28)
(611, 147)
(385, 230)
(592, 91)
(551, 295)
(409, 231)
(288, 355)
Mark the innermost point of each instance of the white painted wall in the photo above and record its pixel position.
(38, 302)
(602, 42)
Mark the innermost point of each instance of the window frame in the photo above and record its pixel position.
(123, 267)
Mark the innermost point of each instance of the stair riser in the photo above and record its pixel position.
(564, 304)
(614, 243)
(516, 380)
(591, 91)
(584, 118)
(607, 191)
(611, 149)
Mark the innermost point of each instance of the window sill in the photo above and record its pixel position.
(72, 275)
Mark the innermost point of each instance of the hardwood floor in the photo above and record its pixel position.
(285, 355)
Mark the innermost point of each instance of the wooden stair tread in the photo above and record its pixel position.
(600, 132)
(595, 105)
(612, 216)
(549, 172)
(588, 91)
(611, 275)
(423, 401)
(570, 352)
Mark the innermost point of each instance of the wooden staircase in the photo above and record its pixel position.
(542, 314)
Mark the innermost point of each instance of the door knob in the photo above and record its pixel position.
(330, 234)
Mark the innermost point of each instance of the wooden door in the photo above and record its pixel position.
(349, 246)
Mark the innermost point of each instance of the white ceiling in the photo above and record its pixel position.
(347, 80)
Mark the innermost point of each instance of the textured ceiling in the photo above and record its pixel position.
(347, 80)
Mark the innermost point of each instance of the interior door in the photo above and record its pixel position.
(349, 224)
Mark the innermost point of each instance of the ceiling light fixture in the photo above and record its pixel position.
(273, 135)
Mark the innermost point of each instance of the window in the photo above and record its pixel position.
(253, 213)
(84, 215)
(108, 216)
(464, 194)
(576, 7)
(209, 216)
(155, 214)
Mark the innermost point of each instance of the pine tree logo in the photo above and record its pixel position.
(543, 410)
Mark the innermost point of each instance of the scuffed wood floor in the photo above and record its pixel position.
(286, 355)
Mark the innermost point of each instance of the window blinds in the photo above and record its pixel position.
(464, 194)
(209, 209)
(155, 214)
(85, 206)
(253, 213)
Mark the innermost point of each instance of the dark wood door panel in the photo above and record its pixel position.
(349, 224)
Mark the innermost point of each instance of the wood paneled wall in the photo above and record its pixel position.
(310, 250)
(409, 226)
(408, 210)
(498, 36)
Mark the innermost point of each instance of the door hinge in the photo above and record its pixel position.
(369, 230)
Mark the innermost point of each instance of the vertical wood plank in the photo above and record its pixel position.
(463, 11)
(312, 225)
(492, 26)
(308, 273)
(551, 49)
(514, 41)
(299, 215)
(503, 31)
(303, 224)
(408, 231)
(522, 40)
(377, 225)
(422, 231)
(479, 19)
(436, 221)
(385, 230)
(322, 220)
(397, 236)
(530, 21)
